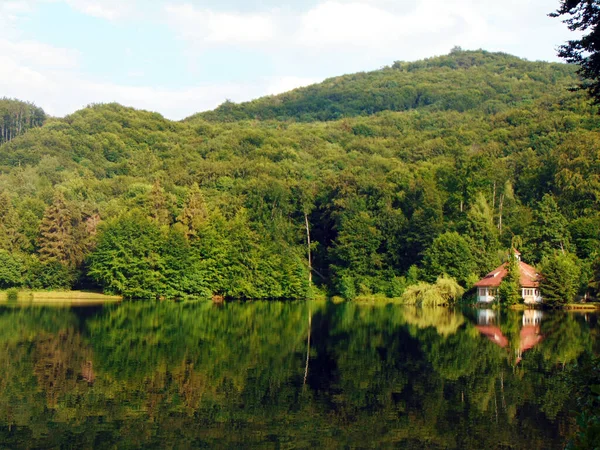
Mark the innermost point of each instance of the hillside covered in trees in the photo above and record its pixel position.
(394, 177)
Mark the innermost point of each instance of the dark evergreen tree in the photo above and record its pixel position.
(510, 288)
(583, 16)
(56, 243)
(157, 204)
(560, 281)
(194, 213)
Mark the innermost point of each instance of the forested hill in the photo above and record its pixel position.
(461, 81)
(132, 203)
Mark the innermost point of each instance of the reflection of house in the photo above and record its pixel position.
(486, 325)
(494, 334)
(487, 287)
(529, 336)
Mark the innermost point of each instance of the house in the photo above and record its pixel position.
(487, 287)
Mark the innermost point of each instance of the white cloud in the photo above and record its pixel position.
(211, 27)
(104, 9)
(37, 54)
(364, 24)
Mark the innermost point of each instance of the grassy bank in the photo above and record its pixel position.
(57, 297)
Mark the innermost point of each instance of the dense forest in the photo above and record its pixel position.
(365, 184)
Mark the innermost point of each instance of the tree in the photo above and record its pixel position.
(548, 232)
(56, 243)
(583, 16)
(11, 270)
(127, 259)
(449, 254)
(194, 213)
(510, 288)
(157, 203)
(482, 234)
(560, 280)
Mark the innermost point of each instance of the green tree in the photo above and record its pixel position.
(56, 233)
(482, 234)
(548, 232)
(127, 259)
(510, 287)
(560, 278)
(11, 270)
(583, 16)
(194, 213)
(449, 254)
(157, 204)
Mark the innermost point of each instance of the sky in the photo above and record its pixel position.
(183, 57)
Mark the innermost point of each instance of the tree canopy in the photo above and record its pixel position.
(386, 197)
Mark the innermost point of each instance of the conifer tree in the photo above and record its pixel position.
(158, 204)
(560, 281)
(194, 213)
(10, 237)
(510, 289)
(482, 233)
(56, 242)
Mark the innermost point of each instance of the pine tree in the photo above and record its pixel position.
(56, 243)
(510, 289)
(194, 213)
(10, 238)
(158, 204)
(482, 234)
(560, 282)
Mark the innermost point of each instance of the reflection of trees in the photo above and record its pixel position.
(445, 321)
(565, 338)
(143, 374)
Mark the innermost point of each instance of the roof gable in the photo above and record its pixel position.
(528, 276)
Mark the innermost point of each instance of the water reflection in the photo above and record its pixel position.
(287, 374)
(488, 324)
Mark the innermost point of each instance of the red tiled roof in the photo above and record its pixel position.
(528, 278)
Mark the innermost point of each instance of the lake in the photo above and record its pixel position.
(288, 375)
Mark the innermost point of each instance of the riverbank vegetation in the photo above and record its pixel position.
(362, 185)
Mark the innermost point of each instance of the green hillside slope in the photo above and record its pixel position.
(136, 204)
(461, 81)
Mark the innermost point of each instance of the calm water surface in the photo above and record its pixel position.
(287, 375)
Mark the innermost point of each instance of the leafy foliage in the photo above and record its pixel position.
(227, 207)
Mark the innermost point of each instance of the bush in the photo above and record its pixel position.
(12, 295)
